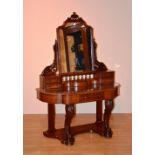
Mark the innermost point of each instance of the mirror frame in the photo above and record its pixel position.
(71, 25)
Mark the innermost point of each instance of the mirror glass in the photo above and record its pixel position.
(75, 50)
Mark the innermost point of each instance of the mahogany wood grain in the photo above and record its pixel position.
(99, 111)
(94, 82)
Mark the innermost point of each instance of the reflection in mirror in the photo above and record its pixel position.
(75, 51)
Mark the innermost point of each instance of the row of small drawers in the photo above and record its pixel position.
(77, 77)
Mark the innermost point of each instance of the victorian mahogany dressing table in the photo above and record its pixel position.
(76, 76)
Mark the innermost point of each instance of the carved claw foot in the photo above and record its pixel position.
(69, 140)
(107, 133)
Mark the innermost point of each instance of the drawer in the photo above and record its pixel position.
(83, 98)
(91, 97)
(96, 96)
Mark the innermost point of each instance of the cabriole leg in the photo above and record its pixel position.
(108, 108)
(68, 137)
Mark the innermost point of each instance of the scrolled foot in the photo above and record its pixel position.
(68, 140)
(107, 133)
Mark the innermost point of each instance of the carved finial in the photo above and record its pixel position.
(74, 16)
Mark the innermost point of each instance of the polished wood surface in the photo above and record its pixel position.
(85, 144)
(66, 134)
(74, 97)
(76, 77)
